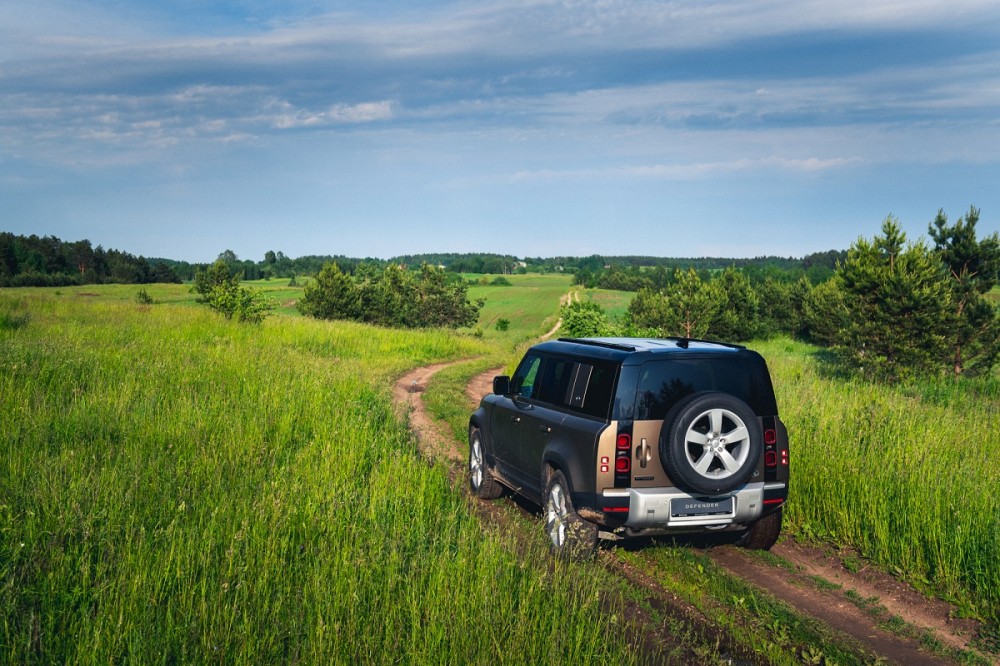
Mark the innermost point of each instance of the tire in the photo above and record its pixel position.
(570, 536)
(481, 481)
(763, 533)
(710, 443)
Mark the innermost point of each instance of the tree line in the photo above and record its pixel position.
(47, 261)
(891, 310)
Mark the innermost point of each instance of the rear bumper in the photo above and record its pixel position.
(656, 507)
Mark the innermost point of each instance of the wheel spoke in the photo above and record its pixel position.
(701, 465)
(728, 461)
(476, 464)
(737, 434)
(696, 437)
(715, 416)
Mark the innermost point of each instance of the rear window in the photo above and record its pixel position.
(662, 384)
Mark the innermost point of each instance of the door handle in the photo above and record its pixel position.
(545, 428)
(643, 452)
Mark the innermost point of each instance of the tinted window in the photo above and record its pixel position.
(582, 387)
(663, 383)
(525, 379)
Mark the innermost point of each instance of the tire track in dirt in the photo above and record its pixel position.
(817, 584)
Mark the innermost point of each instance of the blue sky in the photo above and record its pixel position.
(685, 128)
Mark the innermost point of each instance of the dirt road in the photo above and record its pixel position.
(814, 581)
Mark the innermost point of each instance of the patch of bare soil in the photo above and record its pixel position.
(932, 615)
(815, 583)
(434, 443)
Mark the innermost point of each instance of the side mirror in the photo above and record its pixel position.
(501, 385)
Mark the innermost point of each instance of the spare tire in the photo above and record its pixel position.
(710, 443)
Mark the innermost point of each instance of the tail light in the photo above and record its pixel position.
(622, 465)
(784, 457)
(770, 459)
(624, 442)
(770, 437)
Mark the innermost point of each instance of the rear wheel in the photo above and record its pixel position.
(570, 536)
(762, 534)
(481, 481)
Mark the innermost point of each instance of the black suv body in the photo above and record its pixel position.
(635, 437)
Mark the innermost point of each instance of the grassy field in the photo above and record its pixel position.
(530, 304)
(906, 475)
(178, 488)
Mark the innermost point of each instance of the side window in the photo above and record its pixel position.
(557, 381)
(525, 380)
(600, 389)
(582, 387)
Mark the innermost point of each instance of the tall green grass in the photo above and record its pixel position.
(910, 476)
(178, 488)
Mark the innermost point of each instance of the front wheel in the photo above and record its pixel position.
(762, 534)
(570, 536)
(481, 481)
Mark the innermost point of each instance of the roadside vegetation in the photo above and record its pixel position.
(176, 487)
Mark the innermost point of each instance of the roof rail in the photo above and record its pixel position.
(684, 342)
(599, 343)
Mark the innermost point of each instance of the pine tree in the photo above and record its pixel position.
(332, 296)
(898, 306)
(972, 266)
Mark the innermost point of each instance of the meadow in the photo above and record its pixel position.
(530, 304)
(175, 487)
(179, 488)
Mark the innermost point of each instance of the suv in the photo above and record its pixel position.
(623, 437)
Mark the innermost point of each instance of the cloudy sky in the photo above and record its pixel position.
(181, 128)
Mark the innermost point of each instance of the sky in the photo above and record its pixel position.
(183, 128)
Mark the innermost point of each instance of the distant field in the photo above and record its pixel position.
(531, 304)
(615, 303)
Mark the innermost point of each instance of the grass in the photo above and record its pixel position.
(530, 304)
(615, 303)
(178, 488)
(906, 475)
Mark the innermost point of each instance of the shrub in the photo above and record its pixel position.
(142, 297)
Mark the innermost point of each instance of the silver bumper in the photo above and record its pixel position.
(654, 508)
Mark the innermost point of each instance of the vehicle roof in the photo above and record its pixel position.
(620, 348)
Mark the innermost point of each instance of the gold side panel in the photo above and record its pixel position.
(647, 471)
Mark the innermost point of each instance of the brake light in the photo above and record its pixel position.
(624, 442)
(616, 509)
(623, 465)
(770, 458)
(605, 461)
(770, 437)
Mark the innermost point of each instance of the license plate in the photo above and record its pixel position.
(697, 507)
